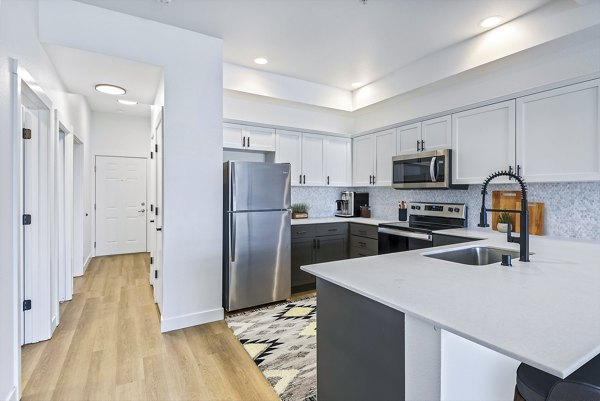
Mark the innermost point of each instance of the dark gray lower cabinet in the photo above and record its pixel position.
(360, 347)
(316, 243)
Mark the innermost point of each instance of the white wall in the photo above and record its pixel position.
(260, 109)
(566, 58)
(120, 135)
(193, 93)
(18, 39)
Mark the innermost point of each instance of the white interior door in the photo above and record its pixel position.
(120, 205)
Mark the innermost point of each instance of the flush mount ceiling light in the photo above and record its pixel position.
(127, 102)
(357, 84)
(490, 22)
(110, 89)
(261, 60)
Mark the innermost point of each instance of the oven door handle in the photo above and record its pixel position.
(432, 169)
(409, 234)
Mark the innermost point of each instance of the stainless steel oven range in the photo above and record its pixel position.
(417, 233)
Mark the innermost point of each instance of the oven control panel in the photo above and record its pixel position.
(453, 210)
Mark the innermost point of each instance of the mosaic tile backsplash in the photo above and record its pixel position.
(571, 209)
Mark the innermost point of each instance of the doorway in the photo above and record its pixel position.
(120, 205)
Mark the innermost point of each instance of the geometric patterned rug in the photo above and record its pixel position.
(282, 341)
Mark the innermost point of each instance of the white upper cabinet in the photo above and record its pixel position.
(289, 150)
(558, 137)
(436, 134)
(338, 163)
(385, 149)
(232, 136)
(237, 136)
(407, 138)
(260, 138)
(313, 163)
(363, 163)
(483, 141)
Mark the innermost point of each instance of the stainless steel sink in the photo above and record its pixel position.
(475, 256)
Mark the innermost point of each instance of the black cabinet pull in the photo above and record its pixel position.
(248, 141)
(373, 180)
(510, 170)
(327, 180)
(243, 142)
(418, 145)
(422, 145)
(370, 179)
(300, 179)
(304, 179)
(518, 170)
(300, 232)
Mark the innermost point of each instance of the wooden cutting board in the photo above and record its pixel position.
(512, 200)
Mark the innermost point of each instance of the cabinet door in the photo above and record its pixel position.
(483, 141)
(313, 165)
(338, 165)
(385, 149)
(288, 149)
(407, 137)
(302, 255)
(331, 248)
(558, 137)
(232, 136)
(363, 160)
(260, 138)
(436, 133)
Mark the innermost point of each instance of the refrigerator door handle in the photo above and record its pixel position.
(232, 235)
(233, 193)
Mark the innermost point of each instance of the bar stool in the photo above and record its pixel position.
(536, 385)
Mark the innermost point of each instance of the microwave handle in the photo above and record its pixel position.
(432, 169)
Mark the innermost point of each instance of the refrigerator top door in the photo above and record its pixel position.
(258, 186)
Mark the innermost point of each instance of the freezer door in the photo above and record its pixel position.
(259, 186)
(259, 259)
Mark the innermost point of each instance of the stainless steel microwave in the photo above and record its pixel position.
(422, 170)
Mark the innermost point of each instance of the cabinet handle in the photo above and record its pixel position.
(370, 179)
(418, 145)
(314, 243)
(300, 232)
(243, 142)
(327, 180)
(248, 141)
(363, 244)
(332, 230)
(422, 144)
(304, 179)
(518, 170)
(373, 180)
(510, 170)
(300, 179)
(362, 232)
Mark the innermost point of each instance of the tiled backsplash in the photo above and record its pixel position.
(571, 209)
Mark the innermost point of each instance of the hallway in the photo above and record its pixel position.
(108, 346)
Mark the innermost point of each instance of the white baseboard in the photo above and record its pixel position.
(87, 261)
(189, 320)
(12, 395)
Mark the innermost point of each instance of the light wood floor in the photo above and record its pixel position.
(109, 347)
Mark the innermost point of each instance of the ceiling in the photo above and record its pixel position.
(80, 71)
(333, 42)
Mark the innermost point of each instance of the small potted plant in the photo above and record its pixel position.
(300, 211)
(503, 222)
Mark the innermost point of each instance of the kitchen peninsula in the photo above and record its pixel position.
(408, 326)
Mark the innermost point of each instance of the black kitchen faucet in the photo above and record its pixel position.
(523, 238)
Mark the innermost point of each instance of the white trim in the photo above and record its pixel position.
(12, 395)
(87, 261)
(192, 319)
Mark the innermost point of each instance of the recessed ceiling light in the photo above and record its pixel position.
(261, 60)
(491, 21)
(357, 84)
(127, 102)
(110, 89)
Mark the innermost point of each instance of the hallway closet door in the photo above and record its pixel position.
(120, 205)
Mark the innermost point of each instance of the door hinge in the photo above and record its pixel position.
(152, 155)
(26, 304)
(26, 219)
(94, 244)
(156, 148)
(155, 273)
(26, 133)
(151, 260)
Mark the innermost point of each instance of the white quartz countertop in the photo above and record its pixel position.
(545, 313)
(319, 220)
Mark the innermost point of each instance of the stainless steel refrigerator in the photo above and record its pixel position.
(256, 233)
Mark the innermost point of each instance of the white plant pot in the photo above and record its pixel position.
(502, 227)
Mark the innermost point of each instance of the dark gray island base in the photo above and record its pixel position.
(360, 347)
